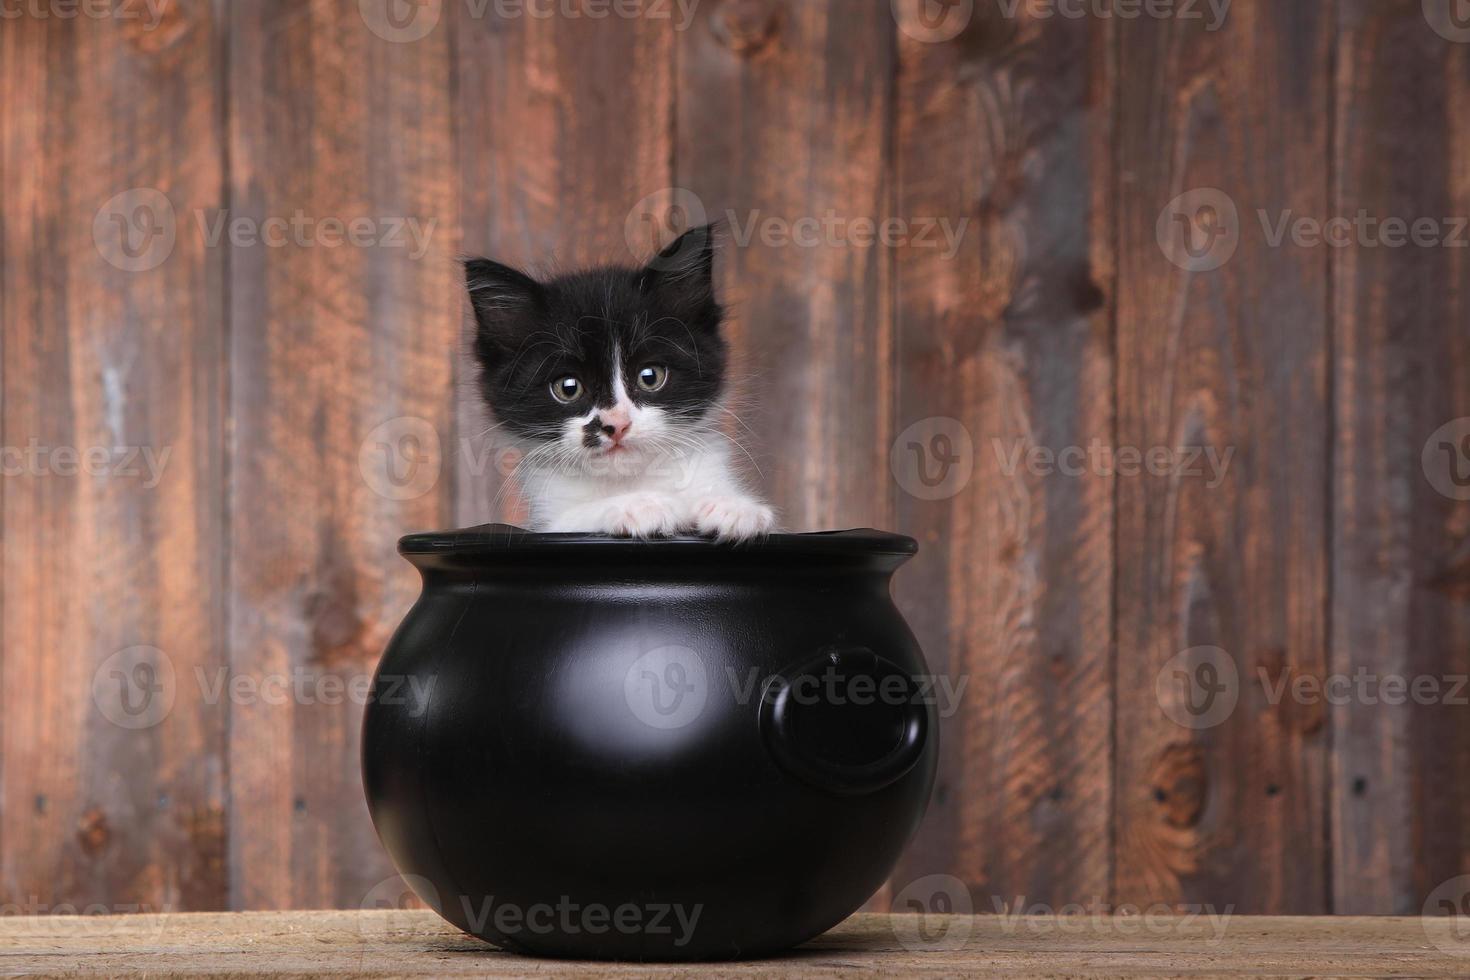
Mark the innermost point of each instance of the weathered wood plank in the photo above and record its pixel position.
(113, 780)
(1223, 351)
(417, 943)
(341, 379)
(783, 133)
(564, 124)
(1401, 545)
(1008, 343)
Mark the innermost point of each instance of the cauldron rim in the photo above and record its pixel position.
(501, 540)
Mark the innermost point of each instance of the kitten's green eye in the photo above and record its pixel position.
(566, 390)
(653, 377)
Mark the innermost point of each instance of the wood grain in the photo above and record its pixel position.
(417, 943)
(104, 807)
(563, 127)
(782, 135)
(1008, 126)
(1226, 808)
(341, 369)
(315, 401)
(1401, 547)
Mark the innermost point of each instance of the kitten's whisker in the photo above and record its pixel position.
(486, 432)
(740, 421)
(527, 346)
(678, 347)
(738, 445)
(537, 371)
(544, 457)
(692, 342)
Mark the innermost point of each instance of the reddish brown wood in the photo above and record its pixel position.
(783, 127)
(1057, 600)
(563, 126)
(328, 345)
(1007, 126)
(357, 945)
(1230, 812)
(96, 357)
(1401, 803)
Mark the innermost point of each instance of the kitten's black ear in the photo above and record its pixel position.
(500, 295)
(685, 268)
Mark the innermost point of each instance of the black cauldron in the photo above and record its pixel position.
(587, 746)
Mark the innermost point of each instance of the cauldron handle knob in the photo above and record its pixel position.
(847, 720)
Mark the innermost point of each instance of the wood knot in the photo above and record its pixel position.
(154, 28)
(335, 625)
(205, 827)
(1087, 296)
(936, 21)
(1179, 784)
(94, 832)
(1453, 578)
(1283, 685)
(1272, 660)
(746, 26)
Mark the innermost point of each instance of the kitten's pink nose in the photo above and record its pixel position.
(615, 424)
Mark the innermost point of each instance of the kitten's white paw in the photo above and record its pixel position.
(639, 515)
(733, 518)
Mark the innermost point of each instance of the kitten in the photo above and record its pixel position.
(611, 381)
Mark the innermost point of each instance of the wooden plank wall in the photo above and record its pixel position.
(1233, 359)
(563, 124)
(113, 787)
(1112, 284)
(1008, 344)
(340, 371)
(1401, 538)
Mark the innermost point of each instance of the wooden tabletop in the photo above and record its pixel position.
(417, 943)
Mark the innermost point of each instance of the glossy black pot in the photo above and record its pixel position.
(649, 750)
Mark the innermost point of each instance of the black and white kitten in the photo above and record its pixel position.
(611, 382)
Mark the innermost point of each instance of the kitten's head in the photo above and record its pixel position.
(608, 368)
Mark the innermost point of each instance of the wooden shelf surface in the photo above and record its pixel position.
(417, 943)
